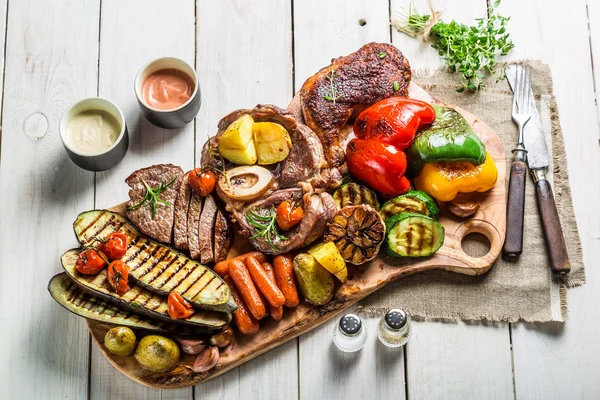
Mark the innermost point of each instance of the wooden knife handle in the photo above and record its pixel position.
(515, 208)
(555, 241)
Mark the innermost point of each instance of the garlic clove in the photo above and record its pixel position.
(192, 346)
(206, 360)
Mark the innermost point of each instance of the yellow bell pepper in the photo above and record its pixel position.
(444, 180)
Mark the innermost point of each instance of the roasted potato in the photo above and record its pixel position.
(237, 144)
(272, 142)
(330, 258)
(157, 353)
(120, 340)
(315, 282)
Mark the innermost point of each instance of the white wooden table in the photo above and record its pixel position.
(246, 52)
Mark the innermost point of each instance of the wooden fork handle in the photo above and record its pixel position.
(515, 208)
(555, 240)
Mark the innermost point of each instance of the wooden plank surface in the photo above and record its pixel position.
(45, 351)
(473, 359)
(131, 35)
(562, 360)
(244, 57)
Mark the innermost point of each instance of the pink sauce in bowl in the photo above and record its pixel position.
(167, 88)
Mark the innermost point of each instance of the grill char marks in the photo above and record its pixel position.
(359, 80)
(159, 227)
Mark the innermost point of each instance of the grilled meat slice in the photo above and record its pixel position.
(350, 84)
(182, 204)
(205, 231)
(159, 226)
(223, 236)
(193, 225)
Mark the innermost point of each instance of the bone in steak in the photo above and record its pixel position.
(182, 204)
(223, 236)
(159, 227)
(205, 232)
(193, 224)
(375, 72)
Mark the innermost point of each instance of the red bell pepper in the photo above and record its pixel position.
(379, 165)
(394, 120)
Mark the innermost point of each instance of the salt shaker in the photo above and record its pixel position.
(394, 328)
(350, 334)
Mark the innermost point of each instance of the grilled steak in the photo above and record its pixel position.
(182, 204)
(305, 163)
(317, 212)
(205, 231)
(223, 236)
(159, 226)
(349, 85)
(193, 225)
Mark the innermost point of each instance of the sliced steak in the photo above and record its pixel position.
(182, 204)
(159, 226)
(207, 227)
(193, 225)
(317, 213)
(223, 236)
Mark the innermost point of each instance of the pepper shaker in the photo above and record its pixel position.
(394, 328)
(350, 335)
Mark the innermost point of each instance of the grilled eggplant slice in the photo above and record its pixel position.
(72, 298)
(136, 299)
(155, 266)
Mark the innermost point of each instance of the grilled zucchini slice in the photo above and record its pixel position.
(157, 267)
(66, 293)
(354, 194)
(136, 299)
(415, 201)
(413, 235)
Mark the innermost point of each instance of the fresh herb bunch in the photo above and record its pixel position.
(265, 225)
(332, 94)
(151, 197)
(469, 50)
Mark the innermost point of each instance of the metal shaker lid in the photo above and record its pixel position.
(395, 319)
(350, 324)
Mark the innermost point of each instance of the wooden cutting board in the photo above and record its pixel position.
(363, 280)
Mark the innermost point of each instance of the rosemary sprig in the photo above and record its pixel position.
(215, 163)
(152, 197)
(333, 94)
(265, 226)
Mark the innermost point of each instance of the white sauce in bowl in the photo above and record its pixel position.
(93, 131)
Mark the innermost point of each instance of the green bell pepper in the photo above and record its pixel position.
(449, 138)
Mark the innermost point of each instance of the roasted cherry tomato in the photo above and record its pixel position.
(118, 276)
(114, 245)
(379, 165)
(179, 307)
(394, 120)
(90, 262)
(201, 181)
(288, 216)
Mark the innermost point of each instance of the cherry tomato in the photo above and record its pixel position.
(179, 307)
(201, 181)
(288, 216)
(379, 165)
(90, 262)
(394, 120)
(118, 276)
(114, 245)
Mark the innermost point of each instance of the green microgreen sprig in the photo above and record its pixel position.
(265, 226)
(151, 197)
(332, 94)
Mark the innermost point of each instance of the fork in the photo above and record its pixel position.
(515, 207)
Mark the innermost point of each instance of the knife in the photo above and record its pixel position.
(538, 160)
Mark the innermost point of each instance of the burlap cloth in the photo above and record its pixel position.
(523, 290)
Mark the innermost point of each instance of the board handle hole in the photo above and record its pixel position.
(476, 244)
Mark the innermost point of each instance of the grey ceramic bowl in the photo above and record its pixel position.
(176, 117)
(103, 160)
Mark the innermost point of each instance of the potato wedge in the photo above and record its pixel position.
(330, 258)
(237, 142)
(272, 142)
(315, 282)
